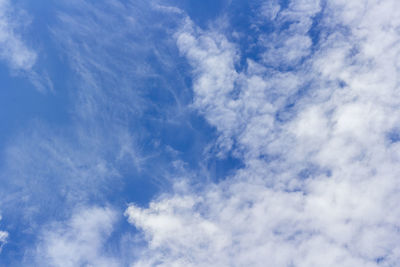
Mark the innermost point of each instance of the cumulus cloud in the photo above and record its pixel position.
(79, 241)
(320, 184)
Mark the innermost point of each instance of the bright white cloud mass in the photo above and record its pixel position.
(320, 182)
(224, 133)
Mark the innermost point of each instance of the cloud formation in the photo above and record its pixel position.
(79, 241)
(12, 48)
(110, 131)
(3, 238)
(318, 137)
(303, 97)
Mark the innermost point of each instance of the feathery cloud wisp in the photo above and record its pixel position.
(12, 48)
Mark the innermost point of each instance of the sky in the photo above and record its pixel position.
(199, 133)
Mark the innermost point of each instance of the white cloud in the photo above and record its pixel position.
(79, 241)
(288, 47)
(45, 168)
(320, 184)
(3, 238)
(12, 47)
(20, 58)
(79, 158)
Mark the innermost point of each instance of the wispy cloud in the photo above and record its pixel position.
(12, 47)
(122, 96)
(19, 56)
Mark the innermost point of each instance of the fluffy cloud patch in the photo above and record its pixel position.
(320, 182)
(78, 241)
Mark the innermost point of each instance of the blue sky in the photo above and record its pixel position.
(199, 133)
